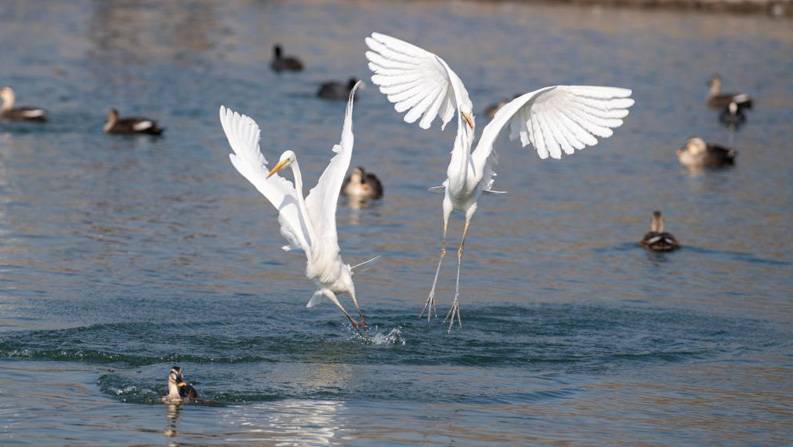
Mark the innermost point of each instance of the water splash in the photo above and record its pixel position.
(393, 337)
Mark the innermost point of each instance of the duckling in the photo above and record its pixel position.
(719, 100)
(657, 239)
(732, 116)
(284, 63)
(11, 113)
(362, 185)
(131, 125)
(698, 154)
(336, 90)
(179, 391)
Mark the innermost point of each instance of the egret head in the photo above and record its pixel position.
(287, 158)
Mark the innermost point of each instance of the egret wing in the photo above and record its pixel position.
(323, 198)
(415, 81)
(243, 135)
(558, 119)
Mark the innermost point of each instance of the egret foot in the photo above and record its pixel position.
(429, 306)
(454, 311)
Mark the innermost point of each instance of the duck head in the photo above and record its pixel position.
(7, 95)
(714, 84)
(657, 224)
(277, 51)
(694, 146)
(175, 381)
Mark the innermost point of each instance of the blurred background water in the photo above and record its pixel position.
(122, 256)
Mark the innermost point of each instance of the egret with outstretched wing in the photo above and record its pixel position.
(555, 120)
(309, 223)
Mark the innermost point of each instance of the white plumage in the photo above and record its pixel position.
(307, 224)
(555, 120)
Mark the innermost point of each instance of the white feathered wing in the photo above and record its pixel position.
(323, 198)
(555, 120)
(243, 135)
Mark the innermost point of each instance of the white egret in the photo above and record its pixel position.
(555, 120)
(307, 224)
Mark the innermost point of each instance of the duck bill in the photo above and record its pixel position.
(277, 168)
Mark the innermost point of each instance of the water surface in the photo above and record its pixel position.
(122, 256)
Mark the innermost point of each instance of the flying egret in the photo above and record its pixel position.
(307, 224)
(555, 120)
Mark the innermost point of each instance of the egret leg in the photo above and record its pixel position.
(429, 305)
(362, 321)
(332, 296)
(455, 309)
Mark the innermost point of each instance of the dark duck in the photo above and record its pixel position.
(719, 100)
(281, 62)
(697, 154)
(362, 185)
(657, 239)
(179, 391)
(131, 125)
(24, 113)
(732, 116)
(336, 90)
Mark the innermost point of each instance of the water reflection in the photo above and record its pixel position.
(172, 412)
(287, 423)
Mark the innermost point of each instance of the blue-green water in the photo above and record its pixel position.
(120, 257)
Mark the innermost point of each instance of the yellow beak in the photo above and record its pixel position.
(276, 168)
(468, 119)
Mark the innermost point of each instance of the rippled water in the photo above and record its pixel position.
(122, 256)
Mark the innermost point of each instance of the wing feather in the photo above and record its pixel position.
(243, 136)
(557, 119)
(322, 199)
(417, 82)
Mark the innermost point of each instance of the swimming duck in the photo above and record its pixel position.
(362, 185)
(719, 100)
(732, 116)
(491, 110)
(336, 90)
(179, 391)
(11, 113)
(657, 239)
(131, 125)
(284, 63)
(698, 154)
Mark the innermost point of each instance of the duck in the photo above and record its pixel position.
(336, 90)
(284, 63)
(362, 185)
(657, 239)
(131, 125)
(698, 154)
(491, 110)
(732, 116)
(719, 100)
(179, 391)
(25, 113)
